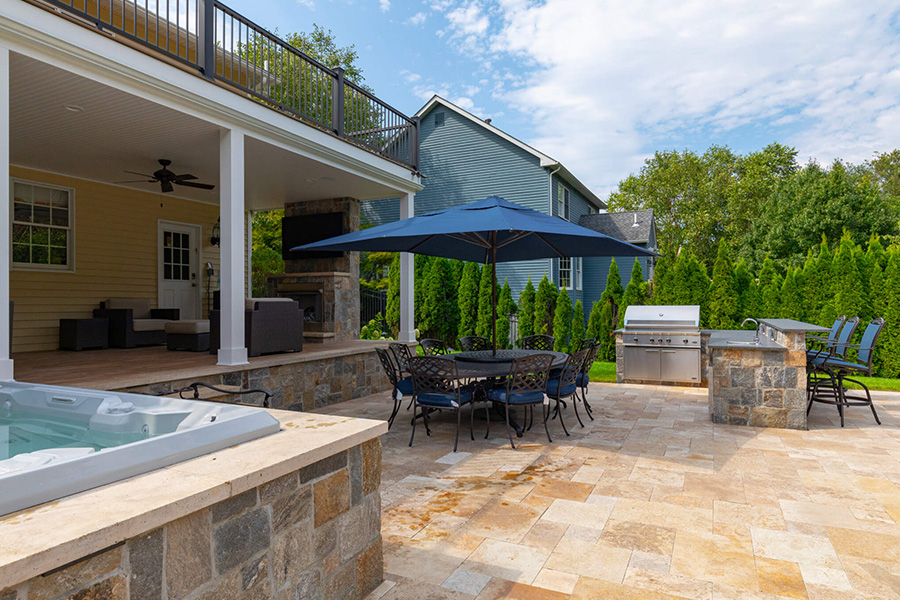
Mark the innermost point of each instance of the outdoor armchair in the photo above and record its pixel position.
(538, 342)
(525, 385)
(436, 385)
(432, 347)
(133, 323)
(270, 325)
(471, 343)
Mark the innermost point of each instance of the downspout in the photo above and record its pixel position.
(550, 207)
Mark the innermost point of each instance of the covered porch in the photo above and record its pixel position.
(80, 110)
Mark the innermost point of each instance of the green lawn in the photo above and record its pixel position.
(606, 372)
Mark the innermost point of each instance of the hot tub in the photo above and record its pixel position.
(56, 441)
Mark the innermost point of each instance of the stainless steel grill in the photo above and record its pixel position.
(662, 343)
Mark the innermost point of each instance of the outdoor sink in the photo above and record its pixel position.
(741, 343)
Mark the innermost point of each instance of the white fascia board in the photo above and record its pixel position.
(56, 40)
(546, 161)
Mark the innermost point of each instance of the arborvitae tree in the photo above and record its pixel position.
(526, 311)
(811, 290)
(769, 290)
(634, 292)
(543, 307)
(875, 253)
(392, 312)
(889, 341)
(562, 321)
(421, 266)
(467, 300)
(747, 291)
(593, 324)
(664, 281)
(692, 282)
(577, 325)
(723, 296)
(485, 299)
(824, 308)
(457, 267)
(440, 314)
(605, 335)
(614, 291)
(847, 284)
(505, 307)
(791, 294)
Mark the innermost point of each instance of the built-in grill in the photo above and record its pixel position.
(662, 343)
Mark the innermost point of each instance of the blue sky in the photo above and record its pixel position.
(602, 85)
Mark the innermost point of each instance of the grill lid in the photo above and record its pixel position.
(682, 318)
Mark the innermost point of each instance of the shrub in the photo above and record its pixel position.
(372, 330)
(485, 306)
(526, 311)
(635, 292)
(505, 308)
(577, 325)
(392, 310)
(723, 296)
(562, 321)
(467, 299)
(543, 307)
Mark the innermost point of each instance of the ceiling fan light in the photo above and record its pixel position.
(73, 108)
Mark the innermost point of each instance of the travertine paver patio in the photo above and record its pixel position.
(650, 500)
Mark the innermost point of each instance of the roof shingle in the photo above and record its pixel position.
(632, 226)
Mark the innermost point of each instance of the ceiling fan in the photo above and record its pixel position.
(165, 178)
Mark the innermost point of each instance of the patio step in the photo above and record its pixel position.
(317, 337)
(208, 394)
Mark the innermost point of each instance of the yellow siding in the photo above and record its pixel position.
(115, 256)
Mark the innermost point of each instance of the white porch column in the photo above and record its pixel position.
(232, 348)
(6, 363)
(407, 277)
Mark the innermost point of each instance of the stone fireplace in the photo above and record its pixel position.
(327, 288)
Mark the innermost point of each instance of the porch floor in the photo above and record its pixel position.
(120, 368)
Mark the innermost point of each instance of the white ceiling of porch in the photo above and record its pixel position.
(118, 131)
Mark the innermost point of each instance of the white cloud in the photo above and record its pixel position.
(307, 3)
(606, 82)
(384, 5)
(416, 20)
(409, 76)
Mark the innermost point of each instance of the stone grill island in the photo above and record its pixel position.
(760, 384)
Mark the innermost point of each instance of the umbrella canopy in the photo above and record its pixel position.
(488, 231)
(473, 231)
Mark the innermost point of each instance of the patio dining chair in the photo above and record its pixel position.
(401, 356)
(836, 350)
(432, 347)
(525, 386)
(436, 385)
(473, 343)
(564, 384)
(586, 343)
(584, 379)
(839, 368)
(538, 342)
(400, 385)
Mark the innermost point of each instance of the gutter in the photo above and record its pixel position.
(550, 207)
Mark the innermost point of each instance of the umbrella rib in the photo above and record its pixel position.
(518, 236)
(413, 249)
(551, 246)
(468, 238)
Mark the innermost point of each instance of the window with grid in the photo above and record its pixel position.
(42, 232)
(565, 273)
(563, 202)
(577, 264)
(176, 256)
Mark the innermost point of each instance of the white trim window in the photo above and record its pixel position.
(562, 199)
(578, 270)
(43, 232)
(565, 273)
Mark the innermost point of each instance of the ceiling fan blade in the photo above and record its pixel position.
(141, 174)
(184, 177)
(166, 186)
(202, 186)
(137, 181)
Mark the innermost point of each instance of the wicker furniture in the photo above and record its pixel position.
(538, 342)
(270, 325)
(437, 386)
(190, 335)
(80, 334)
(133, 323)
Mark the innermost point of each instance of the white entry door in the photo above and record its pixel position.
(179, 259)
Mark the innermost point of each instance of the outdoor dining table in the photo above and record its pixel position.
(486, 364)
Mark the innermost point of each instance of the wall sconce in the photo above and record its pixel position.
(216, 236)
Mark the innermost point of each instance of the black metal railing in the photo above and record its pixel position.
(372, 305)
(223, 45)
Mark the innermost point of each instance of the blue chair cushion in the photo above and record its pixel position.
(553, 386)
(405, 386)
(499, 395)
(444, 400)
(583, 379)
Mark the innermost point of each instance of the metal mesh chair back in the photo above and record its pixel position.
(387, 363)
(474, 343)
(590, 357)
(868, 341)
(538, 342)
(401, 355)
(845, 336)
(529, 374)
(584, 344)
(434, 375)
(569, 374)
(433, 347)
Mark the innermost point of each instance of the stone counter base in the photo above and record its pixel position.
(314, 534)
(297, 386)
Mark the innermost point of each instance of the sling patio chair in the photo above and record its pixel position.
(817, 343)
(525, 385)
(432, 347)
(836, 350)
(538, 342)
(839, 368)
(437, 385)
(471, 343)
(400, 385)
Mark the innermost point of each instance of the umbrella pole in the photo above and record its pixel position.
(494, 292)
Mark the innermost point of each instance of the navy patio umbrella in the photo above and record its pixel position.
(487, 231)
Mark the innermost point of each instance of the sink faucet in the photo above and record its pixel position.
(749, 320)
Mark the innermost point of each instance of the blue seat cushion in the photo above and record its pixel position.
(583, 379)
(499, 395)
(553, 386)
(405, 386)
(444, 400)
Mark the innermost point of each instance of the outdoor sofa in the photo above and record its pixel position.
(270, 325)
(133, 323)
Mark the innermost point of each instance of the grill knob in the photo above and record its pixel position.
(636, 340)
(685, 341)
(668, 340)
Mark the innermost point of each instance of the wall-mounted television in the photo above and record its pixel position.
(306, 229)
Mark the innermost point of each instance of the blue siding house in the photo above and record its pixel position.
(465, 158)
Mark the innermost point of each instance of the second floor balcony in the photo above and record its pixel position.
(221, 45)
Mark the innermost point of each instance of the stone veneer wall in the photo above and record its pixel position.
(758, 387)
(311, 534)
(297, 386)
